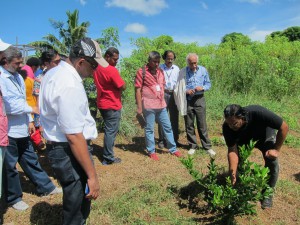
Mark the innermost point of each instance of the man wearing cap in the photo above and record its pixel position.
(20, 126)
(3, 121)
(69, 127)
(109, 86)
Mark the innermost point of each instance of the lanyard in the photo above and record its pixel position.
(16, 83)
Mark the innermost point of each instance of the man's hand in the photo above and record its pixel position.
(199, 88)
(31, 128)
(139, 110)
(272, 154)
(190, 91)
(35, 110)
(94, 187)
(233, 179)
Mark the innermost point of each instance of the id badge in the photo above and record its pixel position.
(169, 85)
(157, 88)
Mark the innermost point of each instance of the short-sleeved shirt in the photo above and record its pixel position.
(64, 105)
(152, 88)
(108, 83)
(260, 126)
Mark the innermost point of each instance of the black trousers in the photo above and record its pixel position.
(174, 115)
(196, 109)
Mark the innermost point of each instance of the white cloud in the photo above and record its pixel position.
(204, 6)
(146, 7)
(82, 2)
(259, 35)
(136, 28)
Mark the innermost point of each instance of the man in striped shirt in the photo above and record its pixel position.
(149, 90)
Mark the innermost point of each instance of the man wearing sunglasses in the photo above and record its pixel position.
(69, 127)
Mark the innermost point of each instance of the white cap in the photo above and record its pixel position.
(3, 46)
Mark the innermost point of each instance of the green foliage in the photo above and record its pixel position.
(110, 37)
(69, 33)
(227, 199)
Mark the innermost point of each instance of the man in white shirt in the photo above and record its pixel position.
(69, 127)
(171, 72)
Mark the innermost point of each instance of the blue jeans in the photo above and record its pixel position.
(111, 127)
(71, 176)
(161, 116)
(20, 150)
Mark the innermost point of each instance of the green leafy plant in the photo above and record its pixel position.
(229, 200)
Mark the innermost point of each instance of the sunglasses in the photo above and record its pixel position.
(91, 61)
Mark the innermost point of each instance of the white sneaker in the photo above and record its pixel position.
(211, 153)
(21, 206)
(192, 151)
(56, 191)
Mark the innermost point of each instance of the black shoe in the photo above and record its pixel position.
(179, 145)
(267, 203)
(161, 144)
(105, 162)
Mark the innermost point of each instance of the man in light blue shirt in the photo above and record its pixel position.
(20, 125)
(197, 82)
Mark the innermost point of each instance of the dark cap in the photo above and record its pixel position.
(86, 47)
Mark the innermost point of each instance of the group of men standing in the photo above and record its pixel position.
(69, 127)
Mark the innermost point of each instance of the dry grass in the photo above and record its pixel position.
(137, 169)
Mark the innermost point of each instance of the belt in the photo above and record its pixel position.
(89, 142)
(169, 91)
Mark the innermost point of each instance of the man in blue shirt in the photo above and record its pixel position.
(20, 125)
(197, 82)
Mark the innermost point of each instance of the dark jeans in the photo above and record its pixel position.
(174, 115)
(196, 107)
(76, 208)
(20, 150)
(273, 165)
(111, 127)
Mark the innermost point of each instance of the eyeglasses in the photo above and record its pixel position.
(170, 59)
(91, 61)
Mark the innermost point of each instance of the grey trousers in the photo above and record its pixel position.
(196, 108)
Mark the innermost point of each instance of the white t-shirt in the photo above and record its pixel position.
(64, 105)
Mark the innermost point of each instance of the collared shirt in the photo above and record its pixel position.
(171, 76)
(64, 105)
(198, 78)
(152, 88)
(14, 98)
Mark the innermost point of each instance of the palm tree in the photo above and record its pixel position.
(68, 33)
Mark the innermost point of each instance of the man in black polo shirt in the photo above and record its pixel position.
(243, 124)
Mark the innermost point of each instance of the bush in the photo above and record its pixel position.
(229, 200)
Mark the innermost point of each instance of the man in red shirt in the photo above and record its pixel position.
(109, 86)
(149, 91)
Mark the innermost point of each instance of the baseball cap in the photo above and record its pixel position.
(86, 47)
(3, 45)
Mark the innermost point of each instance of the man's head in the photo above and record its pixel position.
(50, 58)
(13, 59)
(112, 56)
(192, 61)
(153, 60)
(34, 63)
(3, 47)
(235, 116)
(169, 57)
(85, 55)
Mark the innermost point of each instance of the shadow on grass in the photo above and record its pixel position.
(43, 213)
(191, 197)
(297, 176)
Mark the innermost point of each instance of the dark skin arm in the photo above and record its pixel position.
(138, 97)
(280, 137)
(80, 151)
(233, 161)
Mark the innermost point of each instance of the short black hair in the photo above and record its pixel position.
(164, 56)
(234, 110)
(33, 61)
(153, 55)
(48, 55)
(111, 51)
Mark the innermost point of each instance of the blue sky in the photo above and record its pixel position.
(202, 21)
